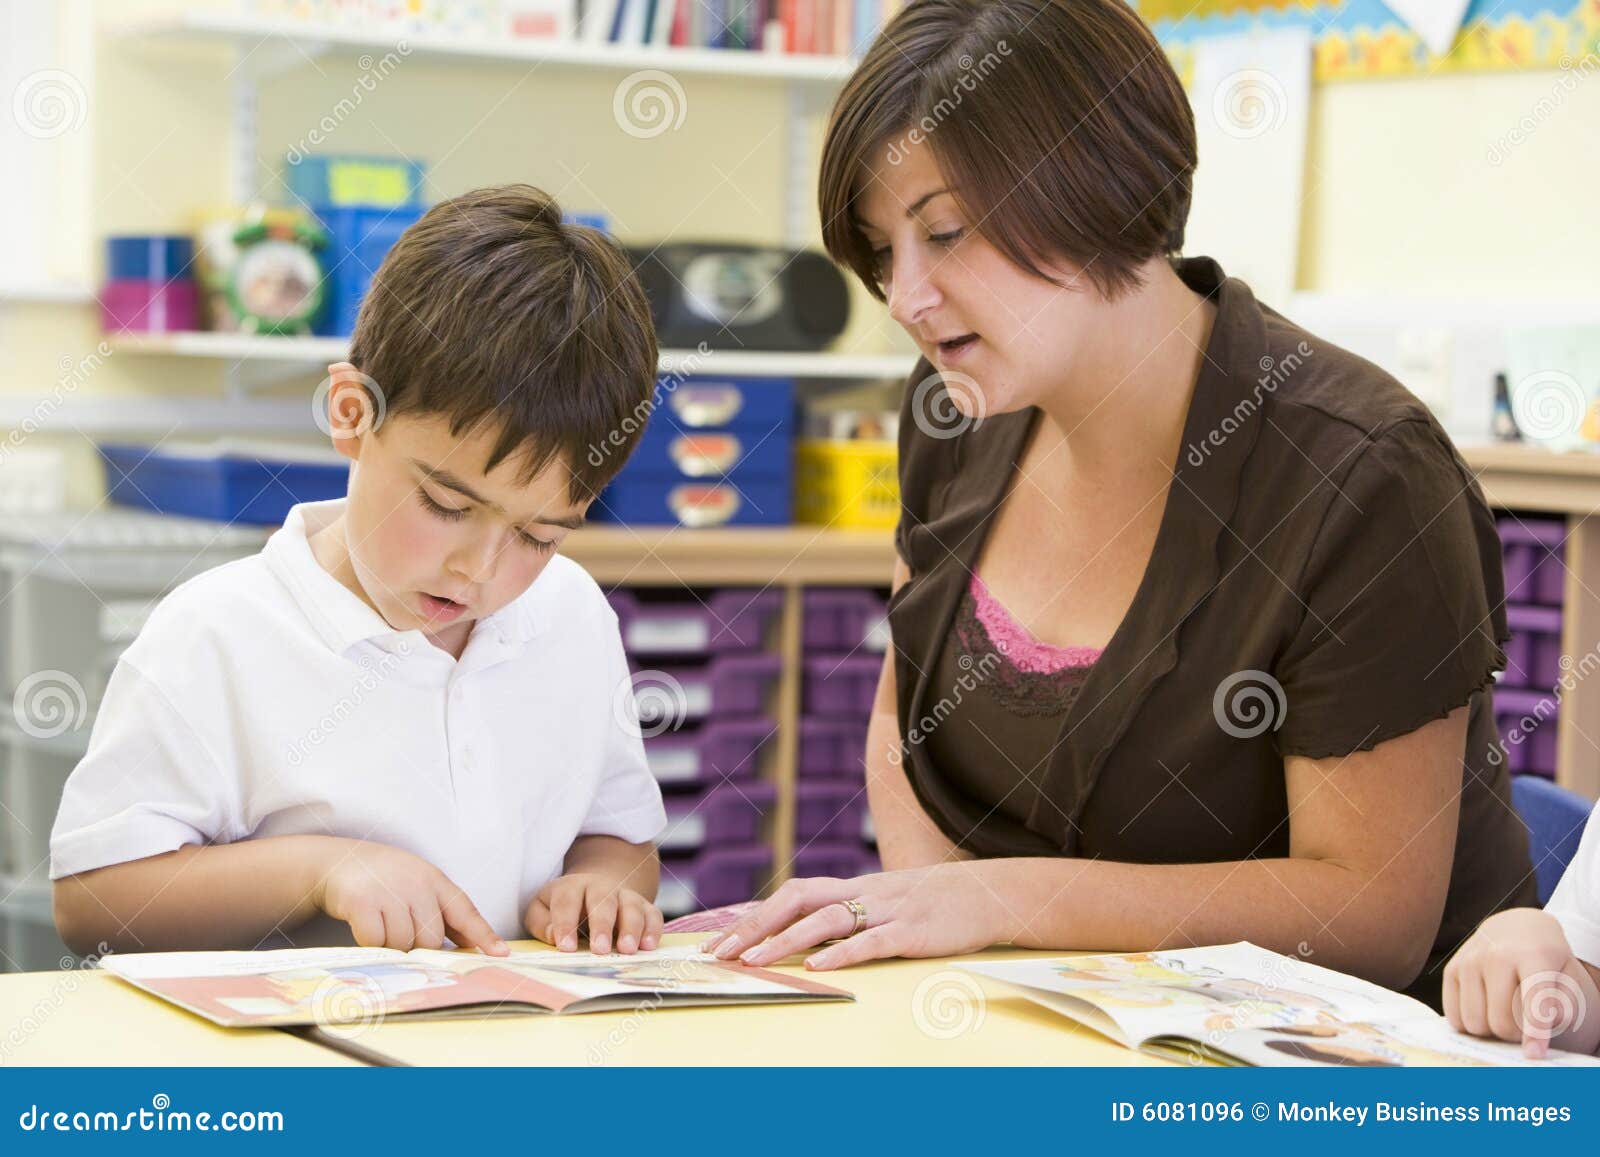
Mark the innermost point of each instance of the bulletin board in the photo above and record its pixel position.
(1353, 39)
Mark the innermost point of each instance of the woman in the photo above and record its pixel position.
(1196, 616)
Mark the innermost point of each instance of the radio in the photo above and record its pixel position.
(747, 297)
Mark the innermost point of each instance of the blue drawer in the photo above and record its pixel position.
(656, 502)
(358, 241)
(669, 453)
(708, 403)
(227, 488)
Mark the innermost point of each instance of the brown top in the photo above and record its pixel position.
(1321, 535)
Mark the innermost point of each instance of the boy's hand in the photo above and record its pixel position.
(393, 899)
(1517, 979)
(608, 910)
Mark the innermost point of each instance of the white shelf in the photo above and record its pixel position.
(46, 293)
(319, 351)
(238, 29)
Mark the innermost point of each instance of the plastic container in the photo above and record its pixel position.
(727, 815)
(729, 685)
(710, 752)
(358, 241)
(842, 686)
(149, 306)
(847, 484)
(218, 483)
(1527, 722)
(844, 620)
(833, 748)
(712, 878)
(346, 180)
(153, 257)
(733, 619)
(744, 453)
(829, 810)
(844, 860)
(734, 501)
(701, 403)
(1533, 656)
(1534, 552)
(36, 762)
(76, 582)
(28, 938)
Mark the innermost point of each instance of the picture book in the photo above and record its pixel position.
(311, 986)
(1243, 1005)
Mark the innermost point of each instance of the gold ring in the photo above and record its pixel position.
(859, 910)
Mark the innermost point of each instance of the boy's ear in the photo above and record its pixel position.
(349, 407)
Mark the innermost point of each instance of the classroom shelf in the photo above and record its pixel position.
(786, 555)
(319, 351)
(310, 39)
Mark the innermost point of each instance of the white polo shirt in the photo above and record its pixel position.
(1576, 900)
(263, 699)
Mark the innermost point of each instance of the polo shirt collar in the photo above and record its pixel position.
(339, 616)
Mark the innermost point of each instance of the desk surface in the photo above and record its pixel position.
(906, 1012)
(85, 1017)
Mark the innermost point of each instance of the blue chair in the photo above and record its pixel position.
(1555, 818)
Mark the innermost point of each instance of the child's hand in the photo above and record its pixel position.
(393, 899)
(1517, 979)
(585, 898)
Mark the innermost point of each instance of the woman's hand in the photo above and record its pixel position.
(943, 910)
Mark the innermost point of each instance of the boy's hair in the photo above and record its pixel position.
(494, 313)
(1059, 125)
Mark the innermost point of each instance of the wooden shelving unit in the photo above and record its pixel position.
(1527, 478)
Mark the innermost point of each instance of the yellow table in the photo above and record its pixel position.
(92, 1018)
(906, 1012)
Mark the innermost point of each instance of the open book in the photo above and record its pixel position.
(1239, 1004)
(309, 986)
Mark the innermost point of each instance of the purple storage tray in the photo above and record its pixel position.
(728, 814)
(728, 685)
(1534, 751)
(149, 306)
(833, 747)
(843, 860)
(1533, 656)
(842, 686)
(844, 620)
(708, 753)
(712, 878)
(729, 620)
(1533, 551)
(829, 809)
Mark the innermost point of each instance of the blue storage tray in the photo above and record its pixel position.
(666, 453)
(714, 403)
(224, 487)
(654, 502)
(358, 241)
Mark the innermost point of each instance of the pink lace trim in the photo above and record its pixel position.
(1014, 641)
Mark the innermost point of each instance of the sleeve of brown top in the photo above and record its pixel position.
(1403, 599)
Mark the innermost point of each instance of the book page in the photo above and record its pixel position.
(1411, 1043)
(1203, 993)
(152, 965)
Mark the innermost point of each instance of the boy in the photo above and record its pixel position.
(1533, 975)
(407, 718)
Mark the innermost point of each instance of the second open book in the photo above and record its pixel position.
(307, 986)
(1239, 1004)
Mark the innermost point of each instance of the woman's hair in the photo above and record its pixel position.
(1059, 125)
